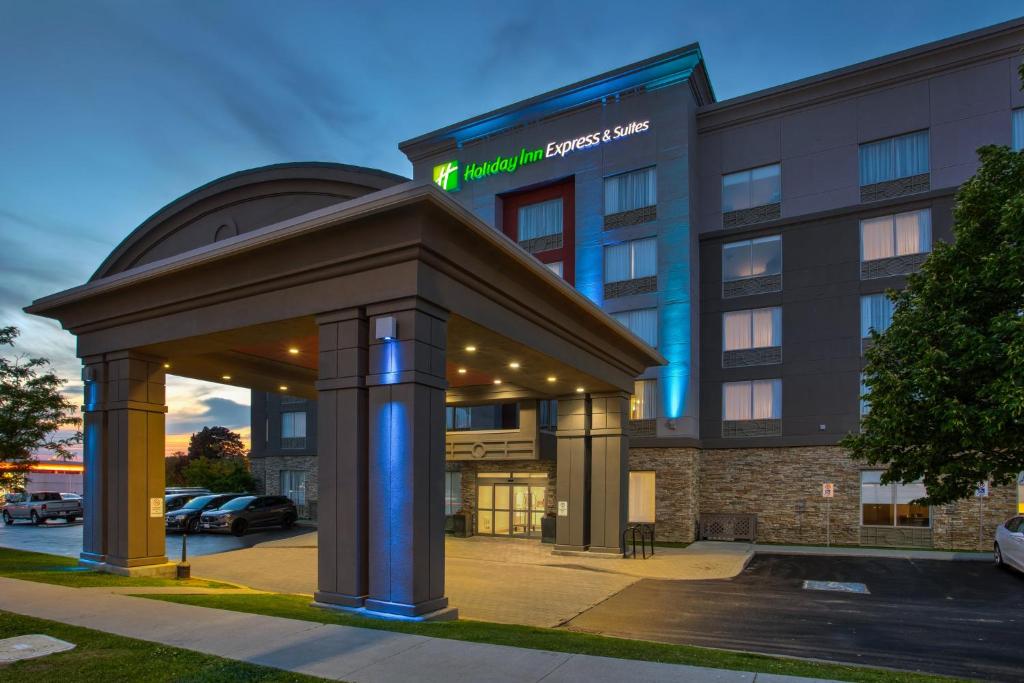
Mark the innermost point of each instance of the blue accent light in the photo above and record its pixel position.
(676, 299)
(391, 497)
(392, 361)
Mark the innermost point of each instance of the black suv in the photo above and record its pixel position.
(186, 518)
(250, 512)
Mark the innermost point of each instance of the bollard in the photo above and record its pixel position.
(184, 569)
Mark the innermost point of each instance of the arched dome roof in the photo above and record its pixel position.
(239, 203)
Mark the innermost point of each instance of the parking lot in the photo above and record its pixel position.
(956, 618)
(61, 538)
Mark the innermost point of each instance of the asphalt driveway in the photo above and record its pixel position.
(955, 618)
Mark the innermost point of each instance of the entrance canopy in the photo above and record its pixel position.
(373, 306)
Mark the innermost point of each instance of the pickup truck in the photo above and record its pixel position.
(39, 507)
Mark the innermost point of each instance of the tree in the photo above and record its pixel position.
(174, 466)
(946, 380)
(220, 475)
(215, 442)
(32, 411)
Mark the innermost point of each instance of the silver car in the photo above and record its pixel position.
(1009, 545)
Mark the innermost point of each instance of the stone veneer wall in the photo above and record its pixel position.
(676, 480)
(267, 472)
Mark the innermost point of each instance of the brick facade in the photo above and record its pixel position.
(676, 480)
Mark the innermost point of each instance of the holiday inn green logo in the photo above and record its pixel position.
(446, 176)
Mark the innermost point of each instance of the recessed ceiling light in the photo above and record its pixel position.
(497, 381)
(225, 376)
(552, 379)
(167, 365)
(462, 371)
(294, 351)
(514, 365)
(470, 348)
(283, 388)
(579, 390)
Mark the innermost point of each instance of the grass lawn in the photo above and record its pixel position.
(102, 657)
(558, 640)
(65, 571)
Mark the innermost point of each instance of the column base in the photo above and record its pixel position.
(165, 570)
(442, 614)
(570, 549)
(337, 599)
(601, 551)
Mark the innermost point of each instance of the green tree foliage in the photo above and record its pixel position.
(174, 465)
(32, 411)
(220, 475)
(214, 443)
(946, 380)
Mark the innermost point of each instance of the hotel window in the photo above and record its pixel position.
(752, 188)
(902, 234)
(547, 414)
(555, 267)
(754, 329)
(875, 314)
(452, 492)
(293, 430)
(293, 485)
(641, 497)
(541, 220)
(643, 404)
(491, 416)
(631, 260)
(902, 156)
(891, 504)
(754, 400)
(1017, 119)
(752, 258)
(643, 322)
(630, 191)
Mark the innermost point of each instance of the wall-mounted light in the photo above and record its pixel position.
(385, 328)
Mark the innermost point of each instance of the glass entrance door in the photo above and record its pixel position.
(510, 508)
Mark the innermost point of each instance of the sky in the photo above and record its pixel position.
(110, 110)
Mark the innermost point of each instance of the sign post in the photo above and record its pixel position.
(981, 493)
(828, 492)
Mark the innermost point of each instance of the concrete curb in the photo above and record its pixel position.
(817, 551)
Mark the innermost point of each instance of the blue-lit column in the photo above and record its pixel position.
(407, 385)
(342, 458)
(124, 461)
(572, 488)
(609, 471)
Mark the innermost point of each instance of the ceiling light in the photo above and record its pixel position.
(552, 379)
(497, 381)
(283, 388)
(167, 366)
(470, 348)
(579, 390)
(294, 351)
(462, 371)
(225, 376)
(514, 365)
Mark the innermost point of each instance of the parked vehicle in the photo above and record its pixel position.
(185, 489)
(1009, 544)
(71, 496)
(186, 518)
(39, 507)
(176, 501)
(250, 512)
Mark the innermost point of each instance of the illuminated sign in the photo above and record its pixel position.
(447, 175)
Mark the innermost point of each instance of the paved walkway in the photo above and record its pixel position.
(510, 581)
(337, 652)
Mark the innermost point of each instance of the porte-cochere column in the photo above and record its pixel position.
(609, 471)
(123, 444)
(572, 530)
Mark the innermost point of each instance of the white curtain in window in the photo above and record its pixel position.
(644, 403)
(876, 162)
(767, 327)
(616, 262)
(736, 330)
(875, 313)
(541, 219)
(910, 154)
(767, 399)
(641, 497)
(293, 425)
(736, 401)
(645, 257)
(913, 232)
(642, 322)
(628, 191)
(876, 238)
(293, 485)
(1018, 135)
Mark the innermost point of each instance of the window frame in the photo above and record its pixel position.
(892, 139)
(631, 246)
(892, 227)
(285, 414)
(1017, 144)
(893, 487)
(750, 382)
(750, 244)
(604, 189)
(750, 314)
(657, 326)
(749, 172)
(652, 409)
(653, 492)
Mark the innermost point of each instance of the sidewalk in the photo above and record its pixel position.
(337, 652)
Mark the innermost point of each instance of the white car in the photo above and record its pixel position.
(1009, 545)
